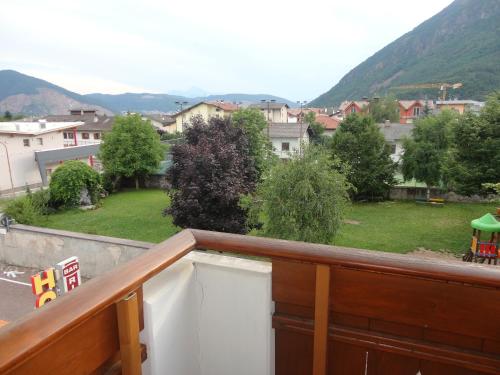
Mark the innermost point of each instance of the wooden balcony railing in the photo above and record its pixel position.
(338, 310)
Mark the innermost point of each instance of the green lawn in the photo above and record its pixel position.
(405, 226)
(388, 226)
(132, 214)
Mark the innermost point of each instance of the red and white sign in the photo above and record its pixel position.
(68, 275)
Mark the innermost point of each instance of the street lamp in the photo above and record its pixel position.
(264, 101)
(301, 117)
(181, 105)
(8, 164)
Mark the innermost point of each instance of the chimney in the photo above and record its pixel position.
(17, 127)
(96, 118)
(42, 123)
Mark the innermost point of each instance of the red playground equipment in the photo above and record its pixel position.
(480, 250)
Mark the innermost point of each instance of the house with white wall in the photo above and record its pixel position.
(19, 141)
(394, 135)
(205, 110)
(273, 112)
(287, 138)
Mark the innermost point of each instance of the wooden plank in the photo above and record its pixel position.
(321, 319)
(450, 307)
(293, 282)
(39, 330)
(128, 328)
(81, 351)
(420, 349)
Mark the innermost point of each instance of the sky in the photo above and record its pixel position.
(296, 50)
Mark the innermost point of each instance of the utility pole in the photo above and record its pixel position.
(263, 101)
(301, 120)
(181, 105)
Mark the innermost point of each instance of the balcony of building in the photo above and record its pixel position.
(277, 307)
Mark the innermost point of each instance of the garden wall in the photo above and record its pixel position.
(40, 248)
(412, 193)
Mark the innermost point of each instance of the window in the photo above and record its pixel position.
(85, 136)
(393, 149)
(285, 146)
(416, 111)
(68, 135)
(26, 142)
(97, 135)
(353, 109)
(39, 141)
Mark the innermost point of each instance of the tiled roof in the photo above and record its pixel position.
(406, 104)
(163, 119)
(224, 106)
(287, 130)
(329, 123)
(394, 132)
(91, 122)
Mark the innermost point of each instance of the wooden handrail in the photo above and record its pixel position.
(21, 340)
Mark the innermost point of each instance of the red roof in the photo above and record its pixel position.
(224, 106)
(329, 123)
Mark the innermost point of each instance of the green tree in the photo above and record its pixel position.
(253, 123)
(383, 109)
(317, 138)
(425, 153)
(7, 116)
(305, 199)
(131, 149)
(359, 143)
(68, 181)
(475, 157)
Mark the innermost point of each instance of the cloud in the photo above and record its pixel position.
(289, 48)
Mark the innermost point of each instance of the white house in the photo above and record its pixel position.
(19, 141)
(273, 112)
(287, 138)
(395, 134)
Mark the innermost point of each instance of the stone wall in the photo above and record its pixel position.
(40, 248)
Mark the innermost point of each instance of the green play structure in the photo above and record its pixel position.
(480, 250)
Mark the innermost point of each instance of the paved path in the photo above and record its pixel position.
(16, 298)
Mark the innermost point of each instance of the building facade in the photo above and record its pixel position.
(205, 110)
(19, 141)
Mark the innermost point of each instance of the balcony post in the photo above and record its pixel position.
(321, 302)
(128, 328)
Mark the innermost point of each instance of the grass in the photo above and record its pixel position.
(405, 226)
(136, 215)
(388, 226)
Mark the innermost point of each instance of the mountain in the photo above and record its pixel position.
(459, 44)
(192, 92)
(165, 103)
(20, 93)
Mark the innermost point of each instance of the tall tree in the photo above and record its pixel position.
(253, 123)
(131, 149)
(425, 153)
(318, 129)
(210, 172)
(383, 109)
(359, 143)
(7, 116)
(475, 157)
(305, 199)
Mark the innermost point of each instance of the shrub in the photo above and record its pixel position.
(22, 210)
(305, 199)
(70, 179)
(41, 202)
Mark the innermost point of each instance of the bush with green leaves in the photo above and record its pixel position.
(22, 210)
(305, 198)
(70, 179)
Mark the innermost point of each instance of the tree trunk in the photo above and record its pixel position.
(136, 182)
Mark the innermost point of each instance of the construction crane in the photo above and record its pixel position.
(441, 86)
